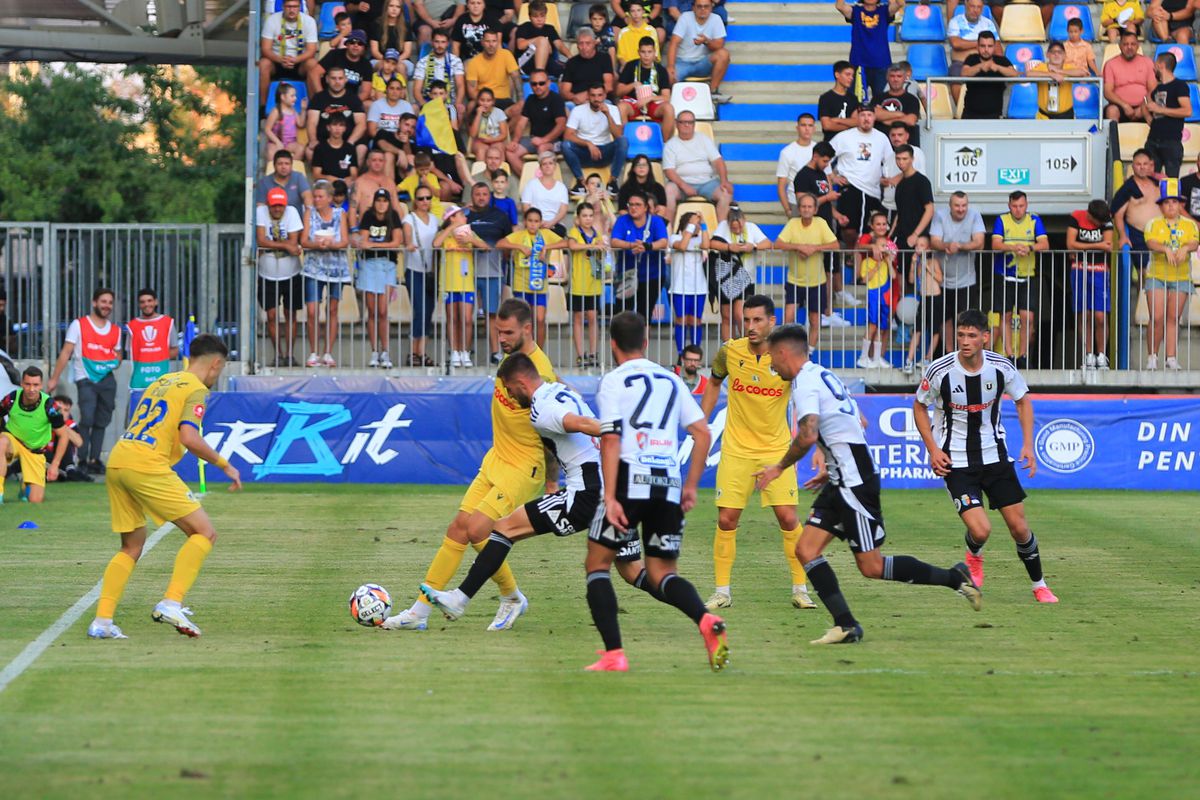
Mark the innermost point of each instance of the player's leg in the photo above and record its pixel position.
(781, 495)
(1027, 550)
(907, 569)
(33, 473)
(602, 600)
(967, 493)
(200, 538)
(5, 457)
(810, 549)
(116, 576)
(734, 485)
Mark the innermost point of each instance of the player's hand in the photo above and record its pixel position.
(1028, 460)
(765, 476)
(615, 514)
(940, 462)
(687, 499)
(817, 482)
(235, 477)
(51, 472)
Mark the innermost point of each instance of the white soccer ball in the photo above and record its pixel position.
(907, 308)
(370, 605)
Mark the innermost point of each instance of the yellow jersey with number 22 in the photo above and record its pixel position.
(151, 442)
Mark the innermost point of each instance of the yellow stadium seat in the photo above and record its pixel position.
(706, 128)
(1191, 142)
(400, 307)
(1131, 136)
(655, 169)
(1191, 315)
(551, 17)
(348, 311)
(1141, 313)
(556, 305)
(605, 173)
(529, 172)
(1110, 51)
(707, 211)
(940, 102)
(1022, 23)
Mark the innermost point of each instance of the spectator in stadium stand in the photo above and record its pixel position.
(491, 225)
(288, 47)
(379, 240)
(860, 154)
(431, 16)
(495, 69)
(641, 179)
(639, 239)
(93, 348)
(326, 267)
(1172, 238)
(585, 69)
(793, 158)
(278, 227)
(736, 241)
(1017, 237)
(644, 89)
(1168, 106)
(1172, 19)
(466, 39)
(897, 135)
(870, 53)
(997, 7)
(336, 101)
(1134, 205)
(689, 282)
(595, 137)
(914, 208)
(634, 27)
(606, 39)
(547, 194)
(538, 44)
(986, 100)
(958, 232)
(420, 274)
(962, 33)
(693, 166)
(1089, 240)
(673, 9)
(383, 123)
(389, 31)
(544, 116)
(377, 177)
(1121, 15)
(810, 239)
(334, 157)
(697, 49)
(363, 12)
(354, 61)
(897, 104)
(836, 107)
(152, 341)
(813, 179)
(1128, 81)
(1078, 51)
(284, 177)
(489, 126)
(1056, 101)
(343, 25)
(283, 123)
(439, 64)
(689, 364)
(1189, 187)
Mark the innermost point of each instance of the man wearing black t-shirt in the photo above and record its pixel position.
(542, 122)
(586, 69)
(898, 104)
(835, 108)
(334, 158)
(986, 100)
(354, 61)
(337, 100)
(1170, 104)
(466, 40)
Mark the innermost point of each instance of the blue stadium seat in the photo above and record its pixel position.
(326, 29)
(1021, 53)
(578, 19)
(1022, 101)
(645, 139)
(1086, 97)
(1195, 93)
(923, 24)
(961, 11)
(928, 61)
(301, 94)
(1063, 14)
(1185, 66)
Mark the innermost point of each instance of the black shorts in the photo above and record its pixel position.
(447, 165)
(1021, 295)
(504, 103)
(585, 302)
(857, 206)
(956, 301)
(851, 514)
(288, 292)
(661, 523)
(998, 482)
(565, 512)
(932, 314)
(810, 297)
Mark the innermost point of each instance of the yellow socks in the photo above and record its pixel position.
(789, 549)
(116, 575)
(444, 565)
(504, 578)
(187, 566)
(724, 552)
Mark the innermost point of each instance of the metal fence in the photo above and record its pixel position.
(1095, 325)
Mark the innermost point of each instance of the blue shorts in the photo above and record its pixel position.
(701, 68)
(706, 189)
(810, 297)
(314, 289)
(459, 297)
(878, 311)
(375, 275)
(1139, 252)
(534, 299)
(488, 292)
(1183, 287)
(1089, 290)
(688, 305)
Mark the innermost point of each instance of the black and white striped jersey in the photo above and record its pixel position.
(576, 452)
(966, 407)
(816, 390)
(647, 406)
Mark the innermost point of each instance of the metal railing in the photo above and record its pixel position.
(1023, 80)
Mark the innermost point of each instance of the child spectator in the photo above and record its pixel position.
(334, 157)
(422, 175)
(379, 240)
(500, 198)
(644, 89)
(452, 170)
(929, 288)
(1079, 52)
(876, 267)
(606, 40)
(1089, 238)
(689, 283)
(589, 265)
(386, 70)
(597, 195)
(326, 267)
(459, 243)
(466, 39)
(284, 121)
(343, 26)
(652, 12)
(539, 45)
(531, 268)
(636, 28)
(489, 127)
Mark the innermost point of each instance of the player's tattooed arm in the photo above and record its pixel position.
(806, 437)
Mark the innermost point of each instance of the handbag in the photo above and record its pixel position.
(728, 278)
(626, 285)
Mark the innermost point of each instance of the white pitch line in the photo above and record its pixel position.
(69, 617)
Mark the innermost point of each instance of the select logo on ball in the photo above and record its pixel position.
(1065, 445)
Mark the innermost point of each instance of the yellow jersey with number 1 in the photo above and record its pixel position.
(756, 423)
(513, 438)
(151, 442)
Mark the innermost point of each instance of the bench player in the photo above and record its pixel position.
(30, 421)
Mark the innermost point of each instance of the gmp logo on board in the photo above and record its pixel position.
(1065, 445)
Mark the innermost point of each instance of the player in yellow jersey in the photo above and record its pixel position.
(513, 472)
(756, 434)
(141, 482)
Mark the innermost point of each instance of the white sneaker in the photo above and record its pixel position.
(909, 367)
(313, 360)
(510, 609)
(327, 360)
(97, 631)
(800, 598)
(1152, 362)
(718, 600)
(385, 361)
(453, 603)
(1102, 362)
(1173, 363)
(1089, 361)
(835, 320)
(374, 362)
(466, 359)
(848, 299)
(406, 620)
(176, 616)
(881, 363)
(865, 363)
(456, 359)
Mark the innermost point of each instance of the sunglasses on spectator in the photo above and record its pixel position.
(424, 197)
(538, 83)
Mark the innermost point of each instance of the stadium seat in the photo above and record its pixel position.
(707, 211)
(645, 138)
(939, 102)
(578, 19)
(1087, 100)
(556, 305)
(1021, 53)
(478, 167)
(928, 61)
(923, 23)
(348, 310)
(1194, 91)
(1185, 60)
(551, 15)
(1191, 141)
(1110, 51)
(400, 307)
(326, 29)
(1141, 311)
(301, 94)
(1064, 14)
(707, 129)
(1022, 23)
(694, 97)
(1022, 101)
(1131, 136)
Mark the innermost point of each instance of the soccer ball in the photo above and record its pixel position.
(370, 605)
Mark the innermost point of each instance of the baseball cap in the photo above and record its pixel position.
(382, 193)
(277, 197)
(450, 212)
(391, 54)
(357, 35)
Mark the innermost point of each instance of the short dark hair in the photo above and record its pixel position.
(537, 5)
(516, 364)
(65, 399)
(1059, 45)
(972, 318)
(441, 33)
(985, 35)
(1099, 211)
(103, 290)
(486, 90)
(1016, 195)
(838, 66)
(806, 114)
(960, 194)
(515, 308)
(598, 8)
(1075, 23)
(531, 211)
(1167, 59)
(1126, 32)
(147, 291)
(628, 332)
(824, 149)
(437, 84)
(341, 15)
(480, 185)
(693, 349)
(1141, 151)
(206, 344)
(898, 125)
(904, 148)
(647, 41)
(791, 334)
(32, 371)
(760, 301)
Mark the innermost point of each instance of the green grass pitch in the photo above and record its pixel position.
(285, 696)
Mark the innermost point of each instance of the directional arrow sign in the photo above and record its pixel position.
(1060, 162)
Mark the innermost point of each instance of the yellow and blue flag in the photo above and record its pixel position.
(434, 130)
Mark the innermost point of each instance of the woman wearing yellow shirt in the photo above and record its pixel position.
(459, 243)
(530, 267)
(587, 245)
(1171, 239)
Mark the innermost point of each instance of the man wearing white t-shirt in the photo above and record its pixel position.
(859, 156)
(288, 46)
(693, 166)
(595, 137)
(278, 227)
(792, 159)
(547, 194)
(697, 48)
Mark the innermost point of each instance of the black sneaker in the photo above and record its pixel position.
(579, 190)
(613, 188)
(95, 467)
